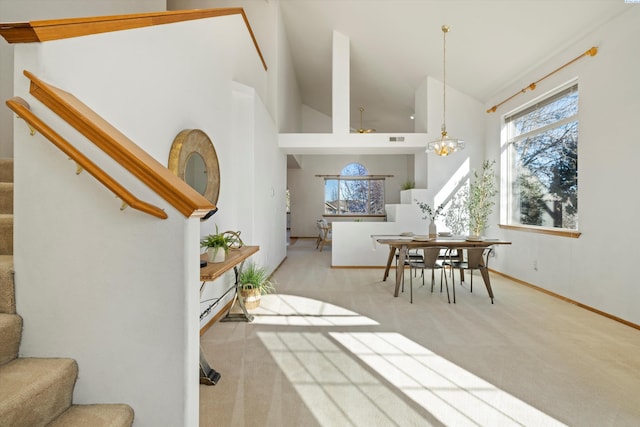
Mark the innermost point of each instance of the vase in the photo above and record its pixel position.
(433, 231)
(216, 254)
(250, 298)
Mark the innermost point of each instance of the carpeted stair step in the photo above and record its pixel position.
(6, 197)
(34, 392)
(10, 336)
(6, 231)
(6, 170)
(7, 292)
(111, 415)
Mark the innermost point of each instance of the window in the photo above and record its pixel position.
(354, 192)
(542, 153)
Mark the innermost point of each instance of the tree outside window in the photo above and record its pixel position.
(543, 162)
(354, 192)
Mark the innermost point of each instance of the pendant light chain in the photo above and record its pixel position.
(445, 29)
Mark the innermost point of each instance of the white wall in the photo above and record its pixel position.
(255, 200)
(282, 97)
(119, 291)
(269, 201)
(32, 10)
(289, 99)
(314, 121)
(598, 268)
(307, 190)
(352, 245)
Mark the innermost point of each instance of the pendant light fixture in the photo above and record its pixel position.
(444, 145)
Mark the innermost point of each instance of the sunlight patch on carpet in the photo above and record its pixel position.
(291, 310)
(451, 394)
(338, 390)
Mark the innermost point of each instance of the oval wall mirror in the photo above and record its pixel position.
(193, 159)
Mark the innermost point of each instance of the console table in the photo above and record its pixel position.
(234, 260)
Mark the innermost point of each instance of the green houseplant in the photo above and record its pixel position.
(408, 185)
(431, 215)
(254, 281)
(481, 192)
(217, 246)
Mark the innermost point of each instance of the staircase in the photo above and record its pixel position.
(36, 391)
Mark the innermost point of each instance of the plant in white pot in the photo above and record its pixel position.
(481, 192)
(217, 246)
(254, 282)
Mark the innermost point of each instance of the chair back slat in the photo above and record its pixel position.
(431, 256)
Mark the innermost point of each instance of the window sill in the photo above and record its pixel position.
(543, 230)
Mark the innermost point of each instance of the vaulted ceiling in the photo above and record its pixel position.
(395, 44)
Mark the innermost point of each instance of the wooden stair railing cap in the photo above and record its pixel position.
(56, 29)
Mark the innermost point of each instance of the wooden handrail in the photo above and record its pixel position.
(23, 110)
(120, 148)
(46, 30)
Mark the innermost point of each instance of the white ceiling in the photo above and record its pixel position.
(395, 44)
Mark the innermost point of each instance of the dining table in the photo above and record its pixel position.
(401, 244)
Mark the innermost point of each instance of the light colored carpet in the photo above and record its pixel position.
(107, 415)
(335, 348)
(6, 197)
(33, 391)
(10, 334)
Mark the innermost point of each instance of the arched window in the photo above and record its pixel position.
(354, 169)
(354, 192)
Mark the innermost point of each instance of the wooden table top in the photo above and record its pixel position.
(454, 241)
(234, 257)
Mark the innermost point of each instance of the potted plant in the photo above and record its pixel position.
(408, 185)
(217, 246)
(481, 192)
(431, 215)
(254, 281)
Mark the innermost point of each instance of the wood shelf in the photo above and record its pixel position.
(234, 257)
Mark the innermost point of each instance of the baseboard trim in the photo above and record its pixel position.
(569, 300)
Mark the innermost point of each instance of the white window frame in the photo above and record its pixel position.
(507, 217)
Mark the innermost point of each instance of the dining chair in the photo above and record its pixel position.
(431, 260)
(319, 227)
(412, 255)
(324, 233)
(476, 259)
